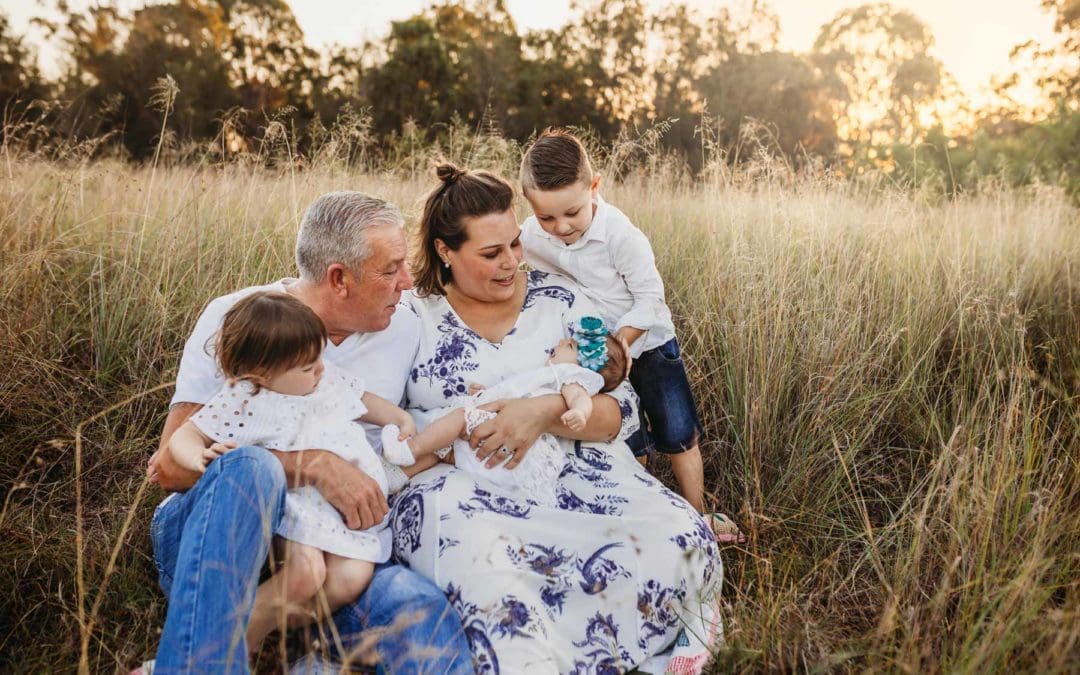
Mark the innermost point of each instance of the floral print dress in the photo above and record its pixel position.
(597, 583)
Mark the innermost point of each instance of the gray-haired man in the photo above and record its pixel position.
(210, 541)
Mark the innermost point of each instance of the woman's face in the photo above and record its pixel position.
(485, 267)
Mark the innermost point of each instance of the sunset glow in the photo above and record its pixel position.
(973, 37)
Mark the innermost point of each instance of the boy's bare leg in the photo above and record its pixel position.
(289, 590)
(580, 406)
(691, 476)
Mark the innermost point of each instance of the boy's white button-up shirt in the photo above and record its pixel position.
(613, 262)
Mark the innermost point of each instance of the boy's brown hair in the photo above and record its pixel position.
(615, 368)
(267, 333)
(556, 159)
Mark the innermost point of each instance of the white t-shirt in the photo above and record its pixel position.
(613, 263)
(381, 360)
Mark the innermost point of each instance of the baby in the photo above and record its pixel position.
(578, 369)
(280, 395)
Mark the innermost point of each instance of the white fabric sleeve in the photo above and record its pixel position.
(198, 377)
(634, 261)
(352, 389)
(235, 414)
(569, 373)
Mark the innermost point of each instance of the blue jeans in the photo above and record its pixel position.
(210, 544)
(669, 418)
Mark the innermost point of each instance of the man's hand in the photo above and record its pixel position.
(519, 422)
(352, 492)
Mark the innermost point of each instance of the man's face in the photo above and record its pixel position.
(374, 295)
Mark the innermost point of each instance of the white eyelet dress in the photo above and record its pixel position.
(323, 419)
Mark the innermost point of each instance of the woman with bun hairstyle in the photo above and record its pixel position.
(608, 575)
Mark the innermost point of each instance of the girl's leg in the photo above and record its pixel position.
(346, 579)
(289, 591)
(438, 435)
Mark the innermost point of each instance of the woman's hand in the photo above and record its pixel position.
(517, 425)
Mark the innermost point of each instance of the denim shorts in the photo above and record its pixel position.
(669, 418)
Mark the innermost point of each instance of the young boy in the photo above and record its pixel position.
(575, 233)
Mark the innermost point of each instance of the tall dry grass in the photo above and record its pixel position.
(889, 388)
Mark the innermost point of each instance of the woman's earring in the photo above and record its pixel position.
(446, 264)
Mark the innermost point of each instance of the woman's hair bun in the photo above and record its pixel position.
(449, 173)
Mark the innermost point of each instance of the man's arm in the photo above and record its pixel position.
(356, 495)
(351, 491)
(162, 468)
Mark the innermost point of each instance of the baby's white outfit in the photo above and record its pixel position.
(324, 419)
(537, 474)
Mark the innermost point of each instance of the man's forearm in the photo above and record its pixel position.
(163, 468)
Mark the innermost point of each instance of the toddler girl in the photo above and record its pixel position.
(280, 395)
(578, 369)
(575, 233)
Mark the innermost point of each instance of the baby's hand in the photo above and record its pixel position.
(216, 450)
(475, 388)
(574, 419)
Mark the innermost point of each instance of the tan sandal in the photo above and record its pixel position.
(724, 529)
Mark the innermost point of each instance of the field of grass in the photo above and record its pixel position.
(889, 386)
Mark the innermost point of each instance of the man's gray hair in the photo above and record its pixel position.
(334, 230)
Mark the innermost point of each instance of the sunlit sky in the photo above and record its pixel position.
(974, 37)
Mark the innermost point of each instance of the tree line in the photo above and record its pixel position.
(228, 76)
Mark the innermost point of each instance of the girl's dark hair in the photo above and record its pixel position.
(555, 160)
(461, 194)
(613, 370)
(267, 333)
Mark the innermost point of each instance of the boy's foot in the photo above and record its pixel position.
(724, 529)
(396, 451)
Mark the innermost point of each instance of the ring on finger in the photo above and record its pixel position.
(505, 451)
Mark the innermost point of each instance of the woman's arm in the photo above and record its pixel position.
(520, 421)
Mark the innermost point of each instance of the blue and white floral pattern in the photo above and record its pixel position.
(594, 584)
